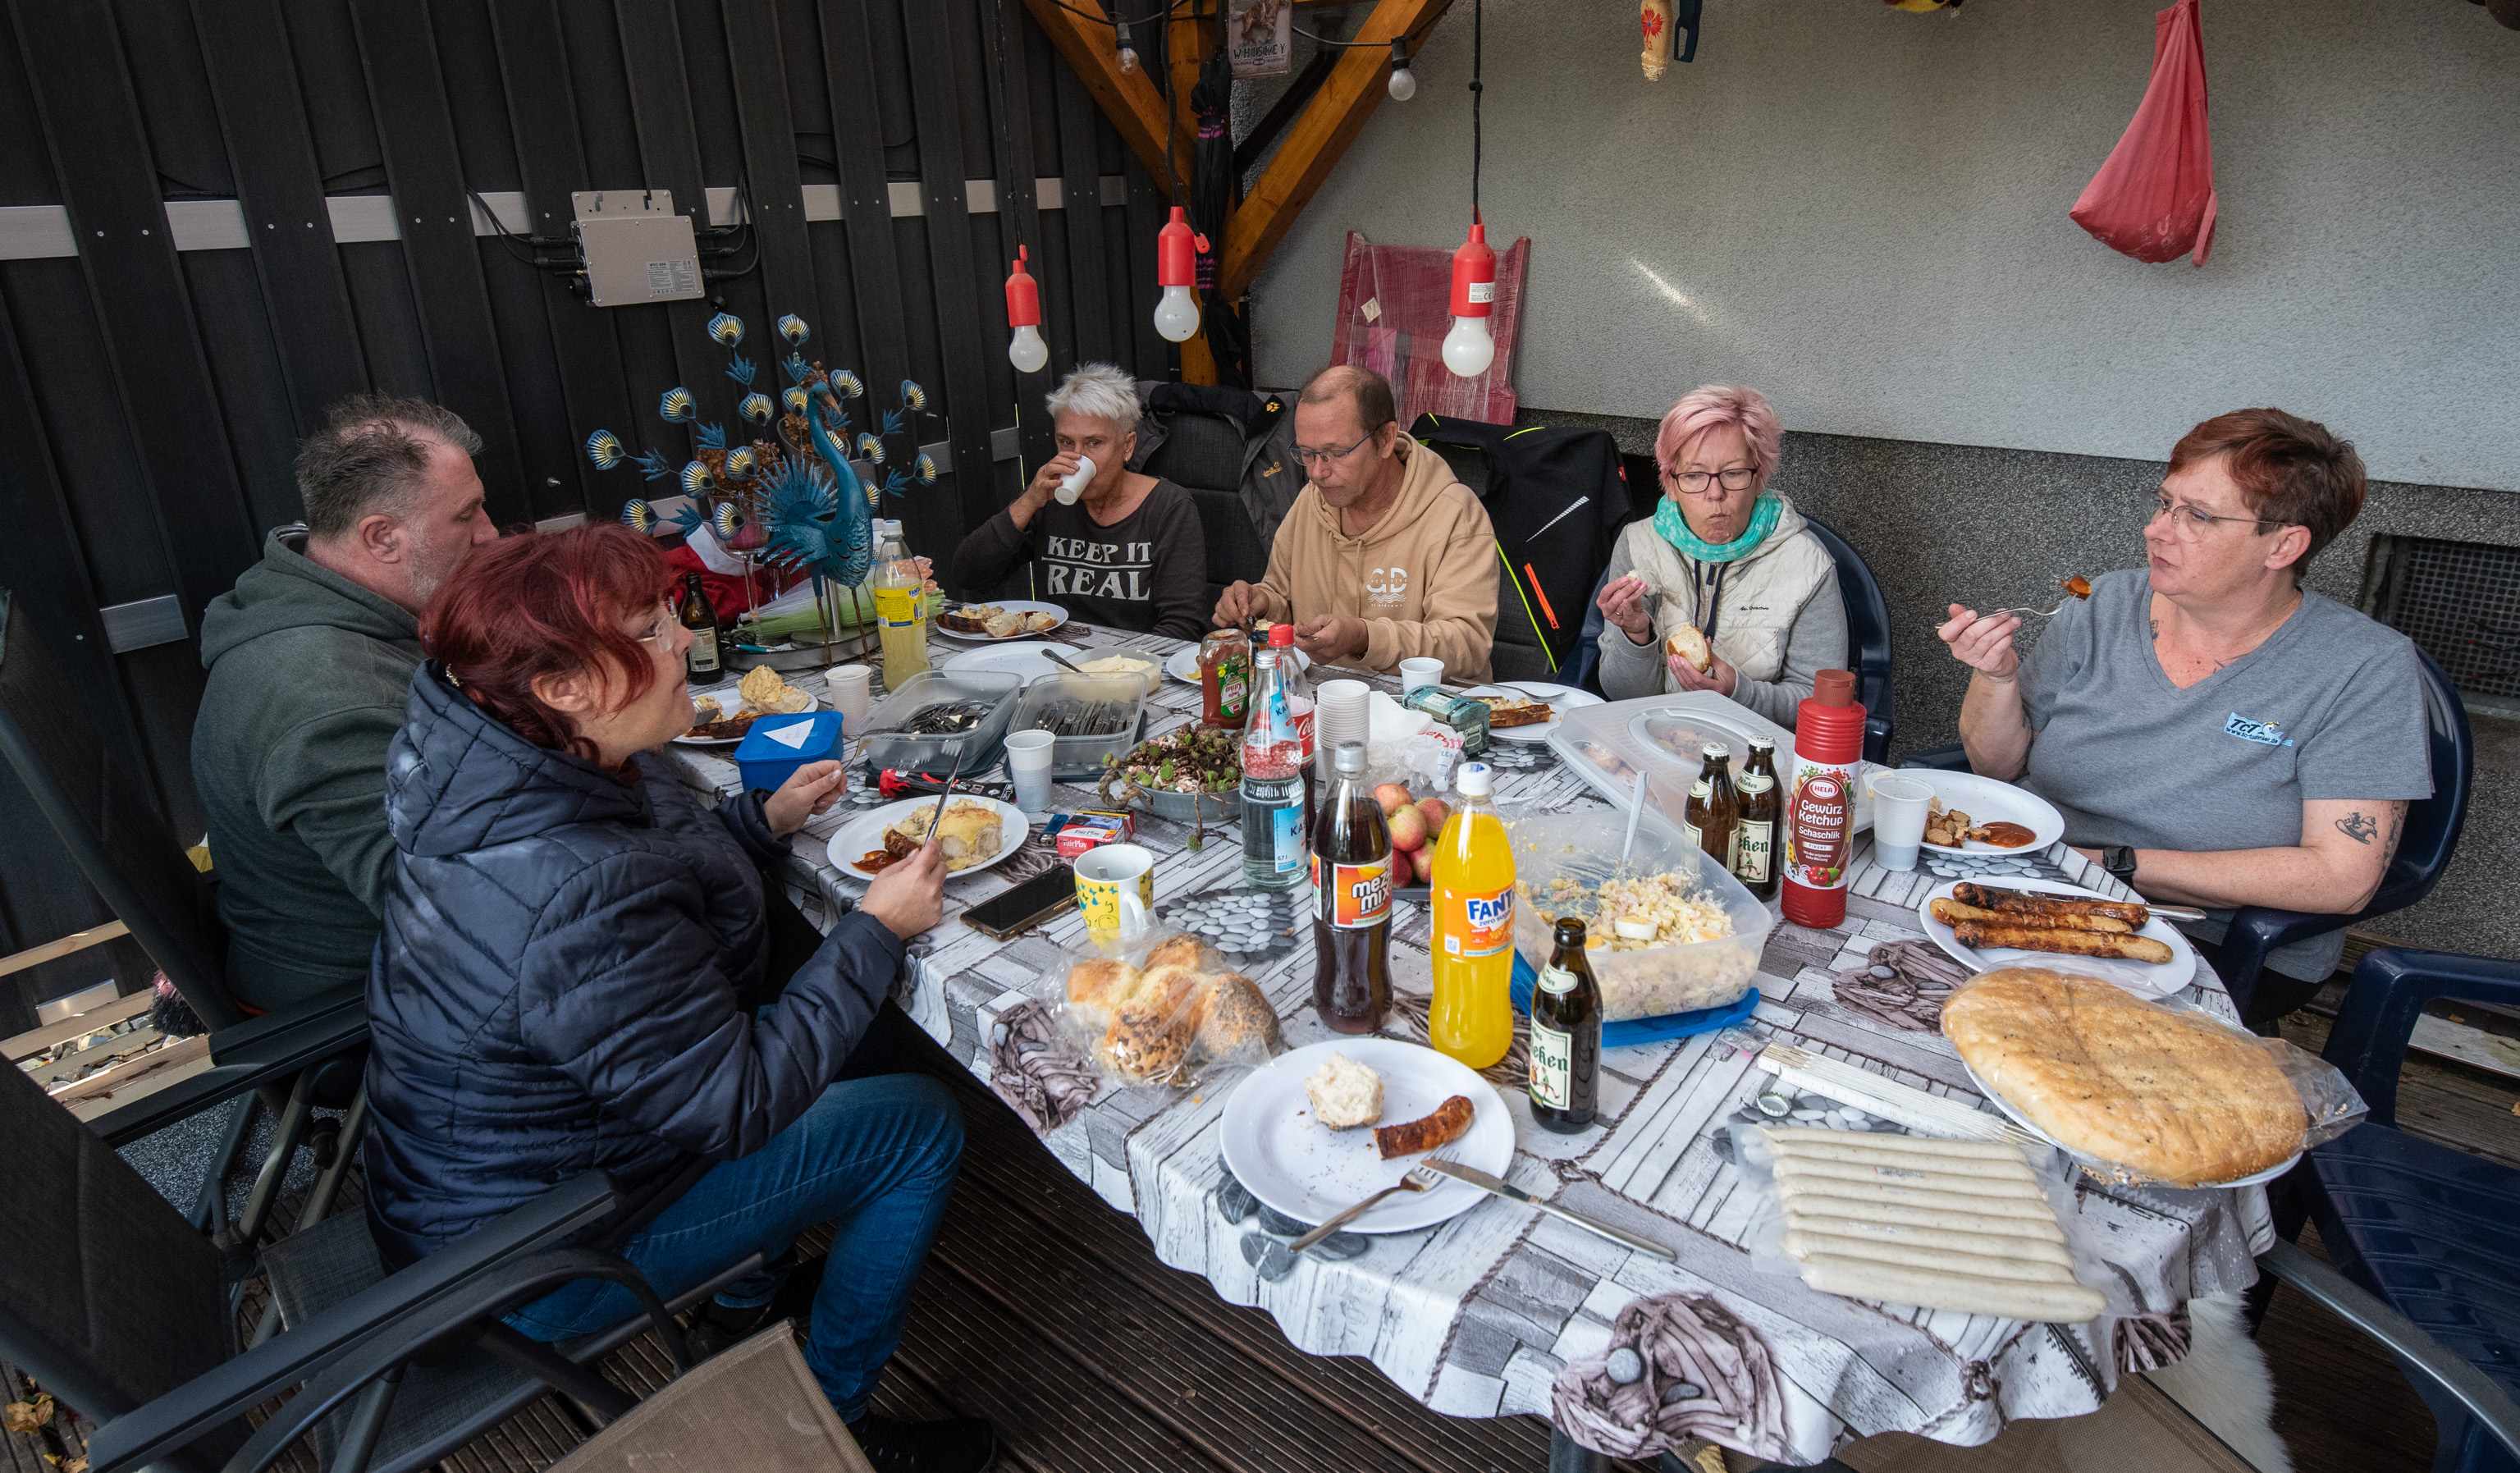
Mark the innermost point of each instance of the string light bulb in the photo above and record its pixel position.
(1469, 348)
(1177, 251)
(1404, 82)
(1128, 52)
(1026, 350)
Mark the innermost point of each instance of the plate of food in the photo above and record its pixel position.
(1027, 661)
(1189, 772)
(721, 717)
(1183, 664)
(1528, 710)
(1006, 619)
(978, 832)
(1318, 1130)
(1975, 815)
(2155, 1091)
(1988, 925)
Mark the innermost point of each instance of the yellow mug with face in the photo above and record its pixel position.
(1115, 889)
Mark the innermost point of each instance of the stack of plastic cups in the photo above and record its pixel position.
(1339, 717)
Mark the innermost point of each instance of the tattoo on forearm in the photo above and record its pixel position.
(2397, 831)
(2360, 827)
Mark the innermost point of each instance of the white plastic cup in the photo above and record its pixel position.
(1898, 805)
(1338, 716)
(1421, 670)
(851, 690)
(1028, 757)
(1073, 484)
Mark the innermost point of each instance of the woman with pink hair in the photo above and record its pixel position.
(1725, 589)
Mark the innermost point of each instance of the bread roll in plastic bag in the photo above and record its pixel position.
(1158, 1010)
(2153, 199)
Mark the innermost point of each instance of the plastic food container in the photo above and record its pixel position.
(775, 746)
(1151, 669)
(974, 751)
(1607, 744)
(1680, 978)
(1113, 708)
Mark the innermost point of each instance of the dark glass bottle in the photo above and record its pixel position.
(1719, 821)
(1566, 1036)
(1352, 893)
(1754, 852)
(701, 663)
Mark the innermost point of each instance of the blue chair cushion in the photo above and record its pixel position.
(2434, 1231)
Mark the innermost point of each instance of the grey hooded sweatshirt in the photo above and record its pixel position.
(309, 676)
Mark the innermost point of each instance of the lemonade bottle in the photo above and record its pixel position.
(900, 606)
(1472, 1018)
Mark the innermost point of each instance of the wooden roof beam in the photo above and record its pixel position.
(1133, 101)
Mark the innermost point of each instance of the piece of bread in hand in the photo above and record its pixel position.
(1689, 642)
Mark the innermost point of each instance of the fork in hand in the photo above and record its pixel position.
(2041, 613)
(1419, 1178)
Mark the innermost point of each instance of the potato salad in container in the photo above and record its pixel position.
(1667, 932)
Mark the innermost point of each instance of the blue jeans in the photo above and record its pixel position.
(877, 1154)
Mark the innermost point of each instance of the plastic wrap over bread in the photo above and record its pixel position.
(1162, 1009)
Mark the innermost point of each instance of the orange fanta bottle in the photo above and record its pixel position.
(1471, 1017)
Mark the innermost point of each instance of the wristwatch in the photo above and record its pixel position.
(2119, 861)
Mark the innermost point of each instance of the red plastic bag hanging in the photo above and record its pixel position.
(2154, 198)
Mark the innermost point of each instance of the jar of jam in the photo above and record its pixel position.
(1225, 678)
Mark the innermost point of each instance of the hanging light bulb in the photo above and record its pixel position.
(1128, 52)
(1404, 82)
(1469, 348)
(1176, 267)
(1026, 351)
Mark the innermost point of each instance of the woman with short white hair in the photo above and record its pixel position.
(1125, 551)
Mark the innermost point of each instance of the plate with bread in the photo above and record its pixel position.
(1528, 710)
(1322, 1128)
(1006, 619)
(2027, 923)
(978, 832)
(722, 717)
(2158, 1091)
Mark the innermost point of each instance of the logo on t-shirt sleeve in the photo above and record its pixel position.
(2264, 732)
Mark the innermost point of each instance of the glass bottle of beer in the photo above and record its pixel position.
(1754, 854)
(700, 663)
(1717, 820)
(1566, 1036)
(1352, 887)
(1762, 758)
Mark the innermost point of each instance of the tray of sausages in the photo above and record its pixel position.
(1986, 926)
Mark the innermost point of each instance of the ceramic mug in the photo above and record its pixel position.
(1113, 906)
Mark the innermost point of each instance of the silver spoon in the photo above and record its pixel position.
(1419, 1178)
(1058, 659)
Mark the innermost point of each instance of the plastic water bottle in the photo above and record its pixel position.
(1274, 851)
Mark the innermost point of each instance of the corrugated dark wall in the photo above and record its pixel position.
(152, 397)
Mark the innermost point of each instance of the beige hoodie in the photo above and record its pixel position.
(1424, 578)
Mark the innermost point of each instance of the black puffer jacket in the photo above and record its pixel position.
(554, 988)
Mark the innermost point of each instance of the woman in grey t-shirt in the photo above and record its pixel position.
(2212, 733)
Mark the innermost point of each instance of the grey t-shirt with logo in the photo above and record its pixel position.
(2331, 706)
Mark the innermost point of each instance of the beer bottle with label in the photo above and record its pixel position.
(1566, 1036)
(1352, 888)
(1762, 758)
(700, 663)
(1754, 857)
(1717, 817)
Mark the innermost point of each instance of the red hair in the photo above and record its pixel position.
(546, 604)
(2291, 471)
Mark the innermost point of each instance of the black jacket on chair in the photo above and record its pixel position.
(1556, 498)
(554, 990)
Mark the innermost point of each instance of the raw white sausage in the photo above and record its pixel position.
(1966, 1220)
(1957, 1240)
(2059, 1304)
(1801, 1244)
(1792, 1172)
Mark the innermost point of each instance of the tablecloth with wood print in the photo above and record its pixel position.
(1503, 1310)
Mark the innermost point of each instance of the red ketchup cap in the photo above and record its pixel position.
(1833, 688)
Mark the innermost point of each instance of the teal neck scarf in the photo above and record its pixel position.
(1673, 527)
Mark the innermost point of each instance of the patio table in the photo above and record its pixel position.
(1479, 1315)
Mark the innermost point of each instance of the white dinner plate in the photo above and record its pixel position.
(1561, 700)
(728, 704)
(1988, 801)
(1024, 661)
(2017, 1117)
(1289, 1161)
(1183, 664)
(2144, 979)
(856, 838)
(1005, 605)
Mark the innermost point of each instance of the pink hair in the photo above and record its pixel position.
(1713, 406)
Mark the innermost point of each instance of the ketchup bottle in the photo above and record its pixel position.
(1819, 805)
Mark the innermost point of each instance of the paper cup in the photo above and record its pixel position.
(1421, 670)
(1029, 755)
(1898, 805)
(1339, 715)
(1116, 890)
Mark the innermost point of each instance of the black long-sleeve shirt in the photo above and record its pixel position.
(1147, 572)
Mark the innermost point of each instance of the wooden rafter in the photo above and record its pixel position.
(1131, 100)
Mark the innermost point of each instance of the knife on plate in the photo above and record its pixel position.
(1512, 1193)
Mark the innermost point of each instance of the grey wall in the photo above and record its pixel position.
(1864, 213)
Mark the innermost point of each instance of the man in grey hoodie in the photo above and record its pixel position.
(310, 660)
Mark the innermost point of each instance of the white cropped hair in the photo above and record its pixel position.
(1098, 391)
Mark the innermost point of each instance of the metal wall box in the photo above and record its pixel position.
(635, 248)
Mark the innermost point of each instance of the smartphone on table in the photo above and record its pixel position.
(1026, 906)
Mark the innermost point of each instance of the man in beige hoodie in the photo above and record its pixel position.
(1384, 556)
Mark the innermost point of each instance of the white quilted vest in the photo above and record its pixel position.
(1762, 593)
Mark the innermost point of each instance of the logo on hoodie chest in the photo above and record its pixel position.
(1385, 587)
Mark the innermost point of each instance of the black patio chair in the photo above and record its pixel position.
(2424, 848)
(117, 1305)
(122, 848)
(1204, 453)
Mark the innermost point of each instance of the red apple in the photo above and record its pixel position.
(1392, 797)
(1435, 813)
(1408, 830)
(1424, 862)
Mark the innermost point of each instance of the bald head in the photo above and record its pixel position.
(1367, 392)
